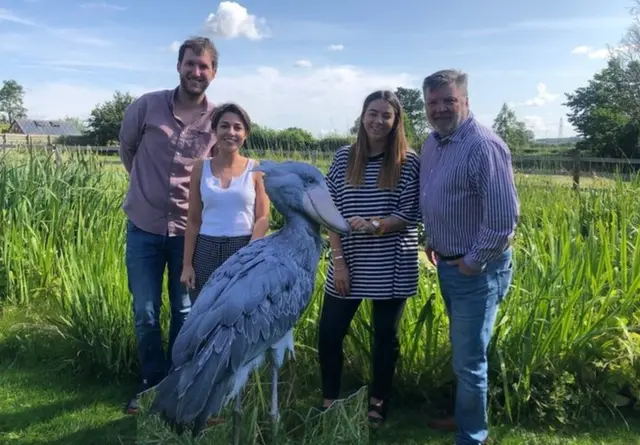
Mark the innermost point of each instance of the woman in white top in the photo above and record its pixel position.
(228, 206)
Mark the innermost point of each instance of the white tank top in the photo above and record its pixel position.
(230, 211)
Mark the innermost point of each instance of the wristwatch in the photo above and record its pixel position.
(377, 226)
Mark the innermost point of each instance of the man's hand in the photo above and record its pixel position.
(463, 268)
(431, 255)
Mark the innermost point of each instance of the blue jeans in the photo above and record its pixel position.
(472, 304)
(147, 255)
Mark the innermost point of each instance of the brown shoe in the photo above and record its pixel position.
(447, 424)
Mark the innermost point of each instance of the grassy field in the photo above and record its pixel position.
(565, 354)
(51, 401)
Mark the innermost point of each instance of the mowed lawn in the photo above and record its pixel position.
(40, 405)
(44, 401)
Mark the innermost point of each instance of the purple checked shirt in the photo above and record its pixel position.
(159, 151)
(468, 198)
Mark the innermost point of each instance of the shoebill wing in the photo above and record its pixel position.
(249, 303)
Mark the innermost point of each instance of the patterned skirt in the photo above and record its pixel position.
(210, 253)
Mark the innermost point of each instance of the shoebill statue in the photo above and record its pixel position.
(250, 305)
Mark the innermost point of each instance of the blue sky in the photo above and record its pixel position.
(310, 64)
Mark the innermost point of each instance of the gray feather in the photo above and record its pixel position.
(248, 304)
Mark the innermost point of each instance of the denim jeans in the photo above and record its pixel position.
(147, 255)
(472, 304)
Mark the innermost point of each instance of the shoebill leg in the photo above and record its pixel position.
(275, 415)
(237, 416)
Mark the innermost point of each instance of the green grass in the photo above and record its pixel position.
(41, 406)
(567, 340)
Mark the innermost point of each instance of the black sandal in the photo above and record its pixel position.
(378, 409)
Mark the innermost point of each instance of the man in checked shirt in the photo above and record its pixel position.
(470, 210)
(162, 134)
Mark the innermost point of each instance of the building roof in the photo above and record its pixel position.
(54, 128)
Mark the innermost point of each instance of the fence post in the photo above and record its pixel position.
(576, 169)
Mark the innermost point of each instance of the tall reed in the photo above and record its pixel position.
(567, 334)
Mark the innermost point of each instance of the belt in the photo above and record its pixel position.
(449, 257)
(457, 257)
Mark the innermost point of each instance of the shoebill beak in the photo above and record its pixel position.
(317, 203)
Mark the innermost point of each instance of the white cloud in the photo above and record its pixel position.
(536, 124)
(8, 16)
(581, 50)
(602, 53)
(598, 53)
(103, 6)
(70, 35)
(80, 37)
(337, 47)
(592, 53)
(103, 63)
(564, 24)
(305, 99)
(175, 46)
(55, 100)
(232, 21)
(543, 97)
(39, 46)
(303, 64)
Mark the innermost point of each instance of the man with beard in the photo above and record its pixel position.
(162, 134)
(470, 210)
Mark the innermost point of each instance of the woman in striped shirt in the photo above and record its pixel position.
(375, 185)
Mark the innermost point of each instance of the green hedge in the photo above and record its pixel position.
(292, 139)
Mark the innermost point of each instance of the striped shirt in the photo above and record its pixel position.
(385, 266)
(468, 198)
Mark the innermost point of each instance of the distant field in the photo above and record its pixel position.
(111, 163)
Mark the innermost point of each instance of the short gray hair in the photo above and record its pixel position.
(446, 77)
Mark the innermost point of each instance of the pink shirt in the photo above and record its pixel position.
(159, 151)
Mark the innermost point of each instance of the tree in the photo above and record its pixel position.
(356, 126)
(413, 140)
(514, 132)
(628, 52)
(606, 111)
(103, 125)
(413, 105)
(503, 121)
(297, 134)
(76, 122)
(11, 101)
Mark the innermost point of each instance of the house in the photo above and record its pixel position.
(30, 127)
